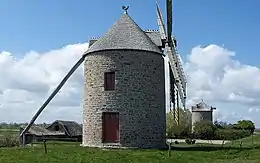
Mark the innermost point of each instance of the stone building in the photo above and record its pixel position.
(202, 112)
(124, 89)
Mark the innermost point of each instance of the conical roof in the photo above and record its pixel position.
(124, 34)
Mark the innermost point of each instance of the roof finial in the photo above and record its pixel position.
(125, 8)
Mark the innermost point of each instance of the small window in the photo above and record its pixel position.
(57, 128)
(109, 81)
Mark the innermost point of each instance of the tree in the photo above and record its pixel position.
(246, 125)
(184, 127)
(204, 129)
(222, 125)
(218, 125)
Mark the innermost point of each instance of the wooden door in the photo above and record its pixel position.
(110, 127)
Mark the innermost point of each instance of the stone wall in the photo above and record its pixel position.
(198, 116)
(139, 97)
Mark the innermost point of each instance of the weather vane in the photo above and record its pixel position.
(125, 8)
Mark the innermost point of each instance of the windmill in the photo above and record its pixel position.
(177, 76)
(112, 93)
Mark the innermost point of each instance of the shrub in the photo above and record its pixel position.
(246, 125)
(9, 141)
(181, 130)
(231, 134)
(204, 130)
(188, 141)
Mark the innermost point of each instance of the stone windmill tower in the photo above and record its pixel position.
(124, 88)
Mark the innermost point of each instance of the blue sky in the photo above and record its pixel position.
(40, 26)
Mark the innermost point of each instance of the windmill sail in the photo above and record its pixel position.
(171, 53)
(172, 86)
(160, 23)
(174, 67)
(180, 70)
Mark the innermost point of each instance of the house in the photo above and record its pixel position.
(38, 133)
(58, 130)
(71, 129)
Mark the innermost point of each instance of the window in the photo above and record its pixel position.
(109, 81)
(57, 128)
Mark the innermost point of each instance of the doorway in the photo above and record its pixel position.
(110, 122)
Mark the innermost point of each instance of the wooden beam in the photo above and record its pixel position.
(169, 19)
(72, 70)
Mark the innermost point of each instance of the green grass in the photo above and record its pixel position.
(8, 132)
(257, 130)
(73, 153)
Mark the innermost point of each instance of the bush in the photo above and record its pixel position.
(231, 134)
(9, 141)
(204, 130)
(246, 125)
(188, 141)
(181, 130)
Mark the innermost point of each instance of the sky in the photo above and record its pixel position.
(217, 41)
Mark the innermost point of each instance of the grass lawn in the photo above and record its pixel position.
(73, 153)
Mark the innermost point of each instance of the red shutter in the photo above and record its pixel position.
(109, 82)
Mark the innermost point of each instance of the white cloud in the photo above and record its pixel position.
(212, 73)
(26, 83)
(254, 110)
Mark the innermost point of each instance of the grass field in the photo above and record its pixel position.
(8, 132)
(73, 153)
(257, 130)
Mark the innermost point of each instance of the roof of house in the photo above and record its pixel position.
(72, 128)
(39, 131)
(124, 34)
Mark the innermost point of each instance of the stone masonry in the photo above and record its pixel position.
(139, 97)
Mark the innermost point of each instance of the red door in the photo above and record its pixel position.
(110, 127)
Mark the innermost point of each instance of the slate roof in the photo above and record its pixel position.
(71, 128)
(124, 34)
(155, 37)
(202, 106)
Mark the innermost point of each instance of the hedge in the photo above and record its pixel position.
(231, 134)
(220, 134)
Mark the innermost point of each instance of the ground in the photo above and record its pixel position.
(72, 152)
